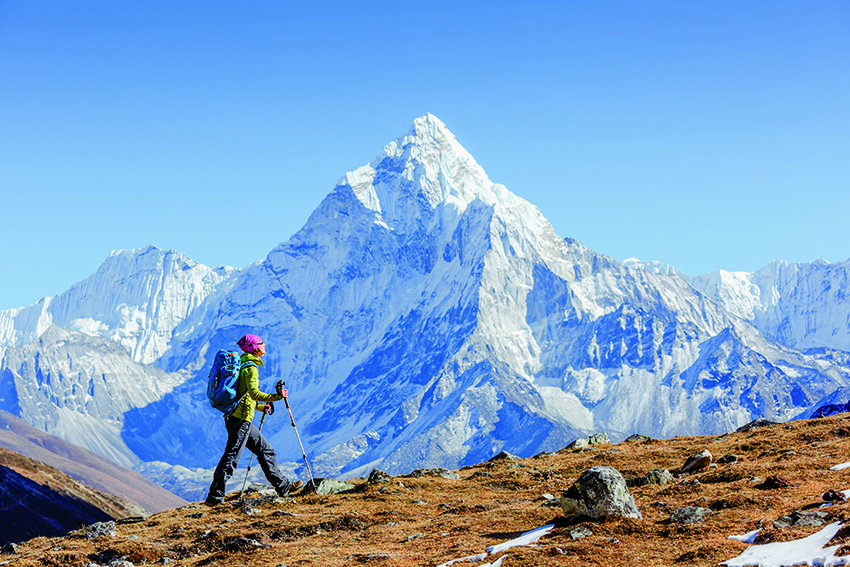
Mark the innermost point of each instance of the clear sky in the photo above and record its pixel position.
(707, 135)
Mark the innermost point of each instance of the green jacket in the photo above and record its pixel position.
(247, 387)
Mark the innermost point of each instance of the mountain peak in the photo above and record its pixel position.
(421, 170)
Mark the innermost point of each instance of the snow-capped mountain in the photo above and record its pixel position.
(799, 305)
(426, 316)
(136, 298)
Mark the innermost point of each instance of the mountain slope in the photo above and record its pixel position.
(87, 468)
(427, 519)
(38, 500)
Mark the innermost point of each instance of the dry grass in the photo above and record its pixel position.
(384, 525)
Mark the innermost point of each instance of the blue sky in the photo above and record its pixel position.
(708, 135)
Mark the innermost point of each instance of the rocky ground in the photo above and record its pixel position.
(775, 477)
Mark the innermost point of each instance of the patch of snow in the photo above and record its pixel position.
(748, 537)
(525, 539)
(478, 557)
(839, 467)
(806, 551)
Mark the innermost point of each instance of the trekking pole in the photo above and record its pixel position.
(303, 454)
(251, 460)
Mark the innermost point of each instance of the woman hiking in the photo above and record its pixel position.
(241, 432)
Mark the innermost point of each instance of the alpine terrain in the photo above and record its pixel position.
(423, 316)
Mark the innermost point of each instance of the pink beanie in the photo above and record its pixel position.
(249, 343)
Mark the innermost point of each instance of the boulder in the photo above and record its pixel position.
(697, 462)
(325, 486)
(727, 459)
(586, 442)
(378, 476)
(637, 437)
(100, 529)
(689, 515)
(580, 532)
(802, 518)
(439, 472)
(655, 476)
(598, 493)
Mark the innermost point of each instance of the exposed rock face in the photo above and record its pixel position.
(598, 493)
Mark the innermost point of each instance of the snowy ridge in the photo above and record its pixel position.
(136, 298)
(799, 305)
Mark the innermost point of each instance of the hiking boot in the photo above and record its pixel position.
(212, 502)
(288, 488)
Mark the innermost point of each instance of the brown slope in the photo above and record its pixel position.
(425, 521)
(84, 466)
(38, 500)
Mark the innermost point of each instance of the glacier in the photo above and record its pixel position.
(423, 316)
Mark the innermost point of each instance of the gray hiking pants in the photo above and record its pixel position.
(241, 434)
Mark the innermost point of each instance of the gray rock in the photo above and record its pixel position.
(9, 549)
(543, 455)
(481, 474)
(726, 459)
(244, 543)
(325, 486)
(756, 423)
(689, 515)
(504, 456)
(598, 493)
(250, 510)
(378, 477)
(580, 532)
(637, 437)
(592, 440)
(655, 476)
(100, 529)
(802, 518)
(697, 462)
(439, 472)
(261, 499)
(658, 476)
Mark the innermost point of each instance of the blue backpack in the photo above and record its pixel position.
(221, 384)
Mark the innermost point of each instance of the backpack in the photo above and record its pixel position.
(221, 384)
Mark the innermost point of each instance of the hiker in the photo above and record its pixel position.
(241, 432)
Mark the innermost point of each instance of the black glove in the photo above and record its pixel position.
(279, 388)
(269, 410)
